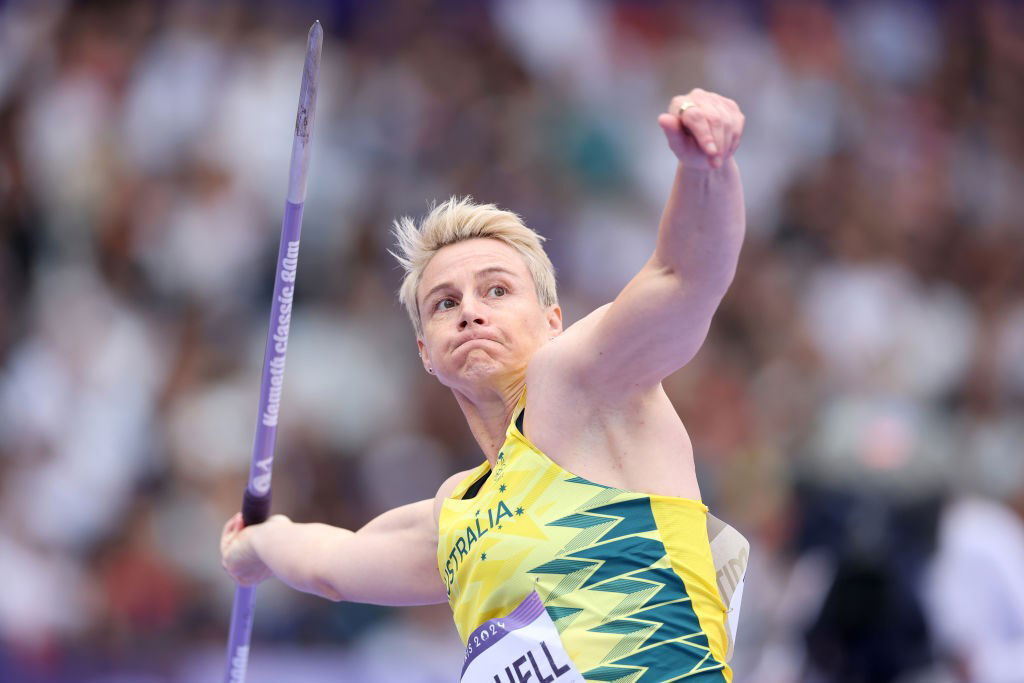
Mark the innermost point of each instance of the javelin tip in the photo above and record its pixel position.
(316, 35)
(314, 46)
(310, 81)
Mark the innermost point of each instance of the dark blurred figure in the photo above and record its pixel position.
(871, 626)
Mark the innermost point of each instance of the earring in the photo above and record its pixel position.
(430, 369)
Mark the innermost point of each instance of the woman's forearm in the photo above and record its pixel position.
(702, 227)
(339, 564)
(297, 553)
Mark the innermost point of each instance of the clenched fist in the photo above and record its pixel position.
(703, 129)
(238, 556)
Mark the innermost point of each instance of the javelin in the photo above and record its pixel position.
(256, 501)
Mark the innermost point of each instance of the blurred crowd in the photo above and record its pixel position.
(857, 411)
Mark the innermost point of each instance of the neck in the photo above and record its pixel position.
(488, 412)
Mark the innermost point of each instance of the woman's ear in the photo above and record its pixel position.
(554, 320)
(424, 358)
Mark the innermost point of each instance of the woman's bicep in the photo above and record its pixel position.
(653, 328)
(392, 560)
(399, 518)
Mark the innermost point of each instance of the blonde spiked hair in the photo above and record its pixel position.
(457, 220)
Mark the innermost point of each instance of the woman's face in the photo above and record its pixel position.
(480, 314)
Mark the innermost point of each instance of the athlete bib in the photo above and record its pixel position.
(524, 646)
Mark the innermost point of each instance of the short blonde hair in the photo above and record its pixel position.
(457, 220)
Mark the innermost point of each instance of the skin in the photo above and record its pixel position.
(595, 404)
(482, 324)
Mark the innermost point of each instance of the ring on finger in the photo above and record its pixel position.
(687, 104)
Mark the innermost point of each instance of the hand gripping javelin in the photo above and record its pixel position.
(256, 501)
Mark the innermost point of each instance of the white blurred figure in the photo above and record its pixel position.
(81, 389)
(975, 596)
(876, 327)
(251, 128)
(892, 348)
(788, 79)
(206, 245)
(559, 42)
(76, 401)
(893, 43)
(209, 432)
(45, 596)
(612, 234)
(172, 97)
(24, 29)
(975, 592)
(65, 136)
(347, 375)
(882, 443)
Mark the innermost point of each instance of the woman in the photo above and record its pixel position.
(579, 549)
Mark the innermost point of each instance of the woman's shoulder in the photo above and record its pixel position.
(452, 482)
(449, 487)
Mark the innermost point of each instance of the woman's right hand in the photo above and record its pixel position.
(238, 555)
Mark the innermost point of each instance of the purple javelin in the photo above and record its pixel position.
(256, 502)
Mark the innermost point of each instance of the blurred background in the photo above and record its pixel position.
(857, 411)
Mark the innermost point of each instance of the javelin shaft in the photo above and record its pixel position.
(256, 501)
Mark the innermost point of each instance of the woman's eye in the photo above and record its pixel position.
(443, 304)
(498, 290)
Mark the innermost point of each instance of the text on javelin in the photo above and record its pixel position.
(280, 334)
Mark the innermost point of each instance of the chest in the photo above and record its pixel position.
(530, 528)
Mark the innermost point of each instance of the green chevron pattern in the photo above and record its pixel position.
(661, 635)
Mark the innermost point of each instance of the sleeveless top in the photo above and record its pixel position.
(626, 577)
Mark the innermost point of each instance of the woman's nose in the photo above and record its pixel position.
(472, 311)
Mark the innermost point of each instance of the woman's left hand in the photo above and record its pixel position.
(703, 129)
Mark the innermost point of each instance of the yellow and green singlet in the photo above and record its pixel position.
(627, 577)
